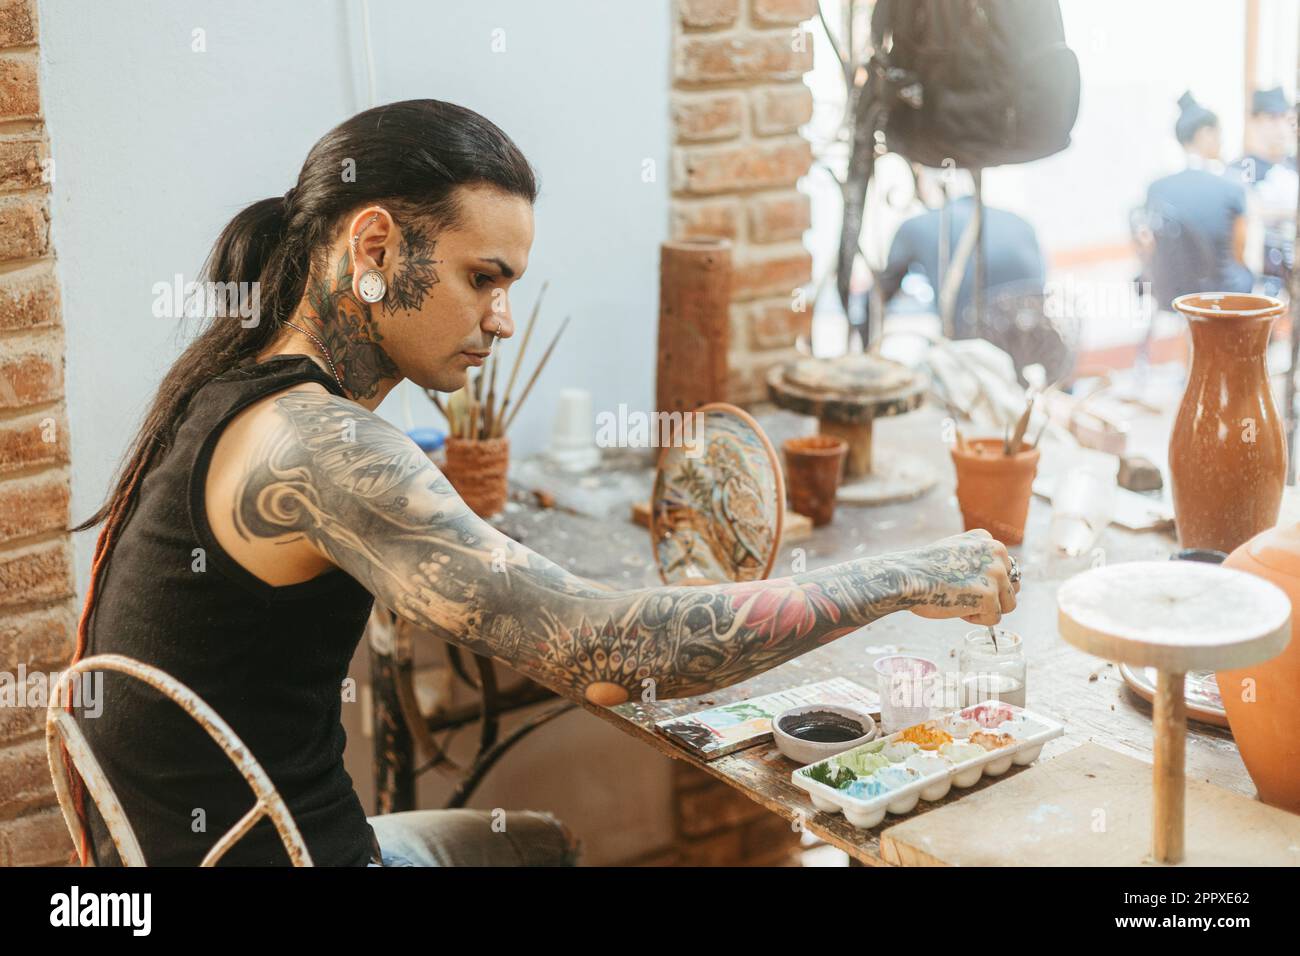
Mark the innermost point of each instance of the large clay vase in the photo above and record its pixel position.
(1227, 452)
(1263, 700)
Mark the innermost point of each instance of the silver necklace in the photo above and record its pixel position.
(324, 351)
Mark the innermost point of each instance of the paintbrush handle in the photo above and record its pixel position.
(536, 372)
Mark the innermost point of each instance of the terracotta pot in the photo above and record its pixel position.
(993, 489)
(1263, 700)
(1227, 451)
(813, 466)
(477, 468)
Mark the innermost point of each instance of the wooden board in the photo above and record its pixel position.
(1090, 806)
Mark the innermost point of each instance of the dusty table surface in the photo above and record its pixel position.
(1084, 693)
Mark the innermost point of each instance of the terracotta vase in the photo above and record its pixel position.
(477, 469)
(813, 467)
(1227, 451)
(1263, 700)
(993, 489)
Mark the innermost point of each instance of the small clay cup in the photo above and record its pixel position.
(993, 489)
(477, 469)
(813, 466)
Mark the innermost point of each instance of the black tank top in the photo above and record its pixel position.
(269, 660)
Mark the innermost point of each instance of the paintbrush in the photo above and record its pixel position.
(456, 406)
(523, 347)
(537, 371)
(1012, 444)
(437, 402)
(490, 419)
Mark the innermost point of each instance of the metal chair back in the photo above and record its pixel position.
(61, 728)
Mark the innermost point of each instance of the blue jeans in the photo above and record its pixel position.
(473, 838)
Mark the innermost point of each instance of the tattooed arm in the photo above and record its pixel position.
(369, 501)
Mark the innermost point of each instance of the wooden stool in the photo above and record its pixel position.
(1174, 616)
(846, 395)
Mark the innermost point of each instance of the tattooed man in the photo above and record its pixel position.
(304, 503)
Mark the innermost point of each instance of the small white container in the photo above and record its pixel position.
(573, 439)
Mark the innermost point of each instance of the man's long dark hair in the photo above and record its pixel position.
(409, 157)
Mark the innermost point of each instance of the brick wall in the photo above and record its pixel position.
(37, 617)
(717, 825)
(738, 101)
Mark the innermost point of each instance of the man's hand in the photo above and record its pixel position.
(966, 576)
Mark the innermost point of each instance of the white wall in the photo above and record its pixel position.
(156, 146)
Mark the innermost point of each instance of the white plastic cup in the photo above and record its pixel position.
(905, 684)
(573, 440)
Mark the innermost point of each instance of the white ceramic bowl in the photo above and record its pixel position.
(811, 751)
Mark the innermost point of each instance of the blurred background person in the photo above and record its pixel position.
(1267, 171)
(1195, 235)
(1013, 257)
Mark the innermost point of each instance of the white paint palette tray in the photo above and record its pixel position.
(925, 761)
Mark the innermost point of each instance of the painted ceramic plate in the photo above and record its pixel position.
(1200, 689)
(718, 502)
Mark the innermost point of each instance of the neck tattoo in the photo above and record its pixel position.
(324, 351)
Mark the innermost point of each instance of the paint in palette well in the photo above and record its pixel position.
(961, 750)
(897, 751)
(928, 736)
(881, 782)
(989, 714)
(863, 763)
(927, 763)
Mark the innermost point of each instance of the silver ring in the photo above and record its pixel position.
(1014, 573)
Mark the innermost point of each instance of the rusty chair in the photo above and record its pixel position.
(61, 728)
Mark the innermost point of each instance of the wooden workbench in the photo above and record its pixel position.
(1088, 696)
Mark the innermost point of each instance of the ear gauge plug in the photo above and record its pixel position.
(372, 286)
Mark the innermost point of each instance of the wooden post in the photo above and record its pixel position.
(857, 463)
(1169, 717)
(694, 323)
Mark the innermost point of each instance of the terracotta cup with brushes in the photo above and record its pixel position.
(476, 468)
(993, 489)
(995, 479)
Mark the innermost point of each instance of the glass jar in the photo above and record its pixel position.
(992, 671)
